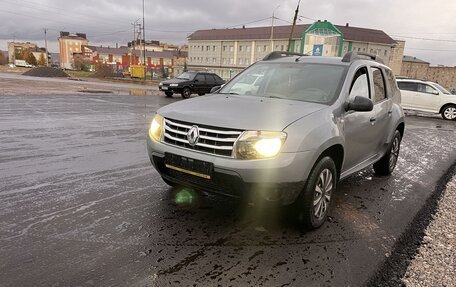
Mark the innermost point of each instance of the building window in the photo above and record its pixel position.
(208, 48)
(241, 61)
(202, 48)
(259, 49)
(224, 48)
(207, 60)
(214, 60)
(214, 48)
(246, 61)
(240, 48)
(386, 52)
(265, 48)
(224, 61)
(231, 61)
(248, 49)
(281, 48)
(231, 49)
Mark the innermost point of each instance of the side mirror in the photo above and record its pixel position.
(359, 104)
(435, 92)
(215, 89)
(195, 80)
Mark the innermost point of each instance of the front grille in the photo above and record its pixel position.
(212, 140)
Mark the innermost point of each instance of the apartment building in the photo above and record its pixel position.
(70, 44)
(227, 51)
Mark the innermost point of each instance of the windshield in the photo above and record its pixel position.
(442, 89)
(292, 81)
(186, 76)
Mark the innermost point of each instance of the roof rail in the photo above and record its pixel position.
(354, 55)
(280, 54)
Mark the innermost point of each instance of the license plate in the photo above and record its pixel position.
(164, 88)
(188, 165)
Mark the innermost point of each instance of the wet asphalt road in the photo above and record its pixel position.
(80, 205)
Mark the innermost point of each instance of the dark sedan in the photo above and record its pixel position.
(191, 83)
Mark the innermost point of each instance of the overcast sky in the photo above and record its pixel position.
(429, 27)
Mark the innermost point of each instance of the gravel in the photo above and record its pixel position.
(46, 72)
(434, 264)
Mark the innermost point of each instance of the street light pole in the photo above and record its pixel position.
(272, 28)
(46, 46)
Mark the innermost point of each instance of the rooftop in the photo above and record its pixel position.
(283, 32)
(413, 59)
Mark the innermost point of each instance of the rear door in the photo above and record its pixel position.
(383, 107)
(210, 81)
(409, 92)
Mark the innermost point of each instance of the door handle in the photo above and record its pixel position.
(390, 113)
(372, 120)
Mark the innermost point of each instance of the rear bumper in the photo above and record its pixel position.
(280, 179)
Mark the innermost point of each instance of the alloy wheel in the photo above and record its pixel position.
(322, 194)
(394, 154)
(450, 113)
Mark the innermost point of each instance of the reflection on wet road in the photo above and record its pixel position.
(81, 205)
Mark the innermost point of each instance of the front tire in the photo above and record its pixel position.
(186, 93)
(170, 183)
(169, 94)
(313, 204)
(387, 163)
(449, 112)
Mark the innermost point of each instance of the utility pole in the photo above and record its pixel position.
(272, 28)
(144, 41)
(133, 43)
(292, 27)
(46, 46)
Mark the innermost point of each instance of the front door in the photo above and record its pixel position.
(359, 128)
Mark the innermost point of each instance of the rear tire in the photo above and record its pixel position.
(312, 206)
(186, 93)
(387, 163)
(449, 112)
(169, 94)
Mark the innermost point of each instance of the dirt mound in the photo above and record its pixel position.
(45, 72)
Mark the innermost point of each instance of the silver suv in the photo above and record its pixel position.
(307, 123)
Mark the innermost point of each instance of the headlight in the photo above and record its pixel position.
(156, 128)
(161, 84)
(259, 144)
(174, 85)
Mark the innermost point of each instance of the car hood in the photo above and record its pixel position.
(240, 112)
(175, 81)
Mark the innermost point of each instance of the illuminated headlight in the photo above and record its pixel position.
(259, 144)
(174, 85)
(156, 128)
(161, 84)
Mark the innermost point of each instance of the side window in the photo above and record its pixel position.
(210, 79)
(422, 88)
(391, 81)
(360, 84)
(408, 86)
(379, 85)
(200, 78)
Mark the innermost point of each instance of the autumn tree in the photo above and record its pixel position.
(28, 56)
(42, 60)
(2, 58)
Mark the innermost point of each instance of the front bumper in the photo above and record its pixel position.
(279, 179)
(176, 90)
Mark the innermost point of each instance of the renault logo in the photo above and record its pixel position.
(193, 135)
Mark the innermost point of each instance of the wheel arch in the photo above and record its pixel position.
(336, 153)
(446, 105)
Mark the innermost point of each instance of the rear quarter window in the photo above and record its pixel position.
(408, 86)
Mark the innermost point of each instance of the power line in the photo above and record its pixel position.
(425, 39)
(436, 50)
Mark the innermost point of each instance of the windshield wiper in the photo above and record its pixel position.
(230, 93)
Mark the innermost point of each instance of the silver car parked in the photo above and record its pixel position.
(308, 123)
